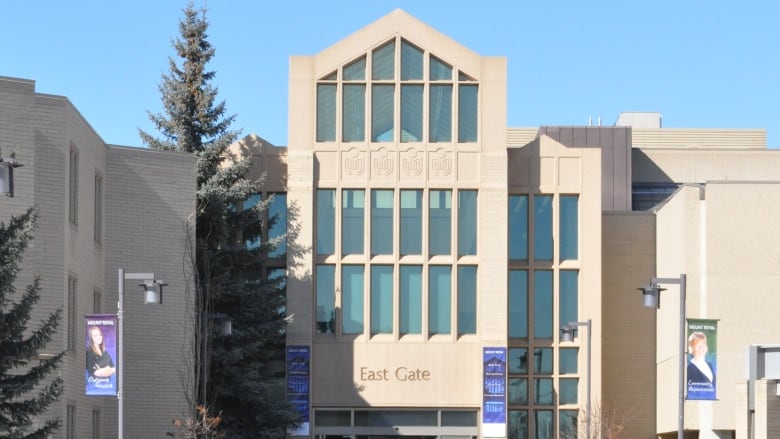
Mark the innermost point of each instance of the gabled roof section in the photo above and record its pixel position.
(396, 23)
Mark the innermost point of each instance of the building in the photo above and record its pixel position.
(434, 254)
(101, 208)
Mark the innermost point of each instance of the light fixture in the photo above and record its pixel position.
(153, 291)
(7, 174)
(651, 295)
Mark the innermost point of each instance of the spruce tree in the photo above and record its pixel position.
(23, 393)
(241, 381)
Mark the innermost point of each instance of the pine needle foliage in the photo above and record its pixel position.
(241, 385)
(24, 393)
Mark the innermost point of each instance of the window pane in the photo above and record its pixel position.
(383, 62)
(278, 275)
(518, 424)
(354, 117)
(467, 300)
(352, 299)
(356, 71)
(277, 215)
(467, 223)
(439, 70)
(439, 299)
(569, 214)
(518, 391)
(382, 122)
(543, 304)
(326, 112)
(381, 299)
(568, 423)
(568, 361)
(568, 296)
(518, 361)
(458, 418)
(543, 422)
(333, 418)
(411, 62)
(382, 222)
(410, 302)
(326, 221)
(568, 391)
(326, 299)
(352, 207)
(440, 113)
(440, 227)
(543, 391)
(467, 113)
(518, 227)
(411, 113)
(543, 360)
(411, 222)
(518, 303)
(543, 241)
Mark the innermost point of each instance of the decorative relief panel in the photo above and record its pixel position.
(412, 165)
(382, 164)
(353, 164)
(440, 165)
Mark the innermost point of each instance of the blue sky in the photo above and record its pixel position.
(712, 64)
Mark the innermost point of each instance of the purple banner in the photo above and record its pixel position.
(100, 370)
(494, 392)
(298, 379)
(701, 373)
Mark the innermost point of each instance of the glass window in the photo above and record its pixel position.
(567, 291)
(569, 214)
(277, 217)
(411, 113)
(518, 227)
(543, 240)
(381, 299)
(518, 303)
(440, 113)
(278, 275)
(383, 62)
(518, 391)
(439, 70)
(568, 361)
(326, 112)
(518, 424)
(326, 221)
(382, 113)
(439, 284)
(352, 299)
(333, 418)
(568, 391)
(568, 423)
(73, 193)
(458, 418)
(543, 391)
(356, 70)
(352, 218)
(98, 214)
(543, 360)
(440, 222)
(543, 304)
(467, 113)
(411, 62)
(382, 222)
(467, 222)
(518, 361)
(96, 425)
(410, 301)
(354, 113)
(467, 299)
(72, 313)
(411, 222)
(326, 299)
(252, 239)
(543, 424)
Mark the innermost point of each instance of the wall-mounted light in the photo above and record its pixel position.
(7, 174)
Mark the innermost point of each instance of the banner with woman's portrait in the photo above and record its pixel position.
(101, 343)
(702, 371)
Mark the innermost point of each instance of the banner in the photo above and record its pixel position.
(298, 385)
(702, 373)
(494, 392)
(101, 344)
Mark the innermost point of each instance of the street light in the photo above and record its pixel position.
(7, 174)
(225, 328)
(152, 294)
(652, 299)
(567, 334)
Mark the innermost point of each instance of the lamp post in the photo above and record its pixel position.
(151, 295)
(652, 299)
(225, 328)
(567, 334)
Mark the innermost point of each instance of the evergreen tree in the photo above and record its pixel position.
(241, 381)
(23, 395)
